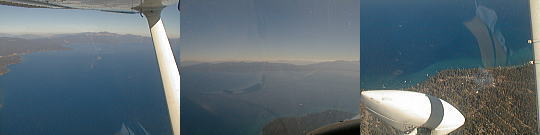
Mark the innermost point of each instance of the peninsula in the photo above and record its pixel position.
(11, 49)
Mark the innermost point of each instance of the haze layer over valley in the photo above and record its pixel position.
(242, 97)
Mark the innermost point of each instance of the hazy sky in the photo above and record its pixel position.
(222, 30)
(16, 20)
(270, 30)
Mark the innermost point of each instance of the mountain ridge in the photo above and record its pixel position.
(271, 66)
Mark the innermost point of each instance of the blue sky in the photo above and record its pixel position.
(16, 20)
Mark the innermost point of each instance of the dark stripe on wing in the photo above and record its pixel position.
(437, 113)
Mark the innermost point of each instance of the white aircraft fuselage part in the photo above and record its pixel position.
(407, 110)
(535, 25)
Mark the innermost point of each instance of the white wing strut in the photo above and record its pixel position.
(170, 75)
(535, 24)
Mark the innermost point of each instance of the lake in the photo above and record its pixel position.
(91, 89)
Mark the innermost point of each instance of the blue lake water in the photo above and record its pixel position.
(90, 90)
(405, 42)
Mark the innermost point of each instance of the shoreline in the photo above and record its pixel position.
(16, 58)
(6, 61)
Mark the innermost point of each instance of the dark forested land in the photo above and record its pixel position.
(498, 100)
(304, 124)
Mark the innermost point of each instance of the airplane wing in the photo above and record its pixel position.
(117, 6)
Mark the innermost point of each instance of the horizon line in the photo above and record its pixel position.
(55, 34)
(292, 61)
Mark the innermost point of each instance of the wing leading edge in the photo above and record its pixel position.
(117, 6)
